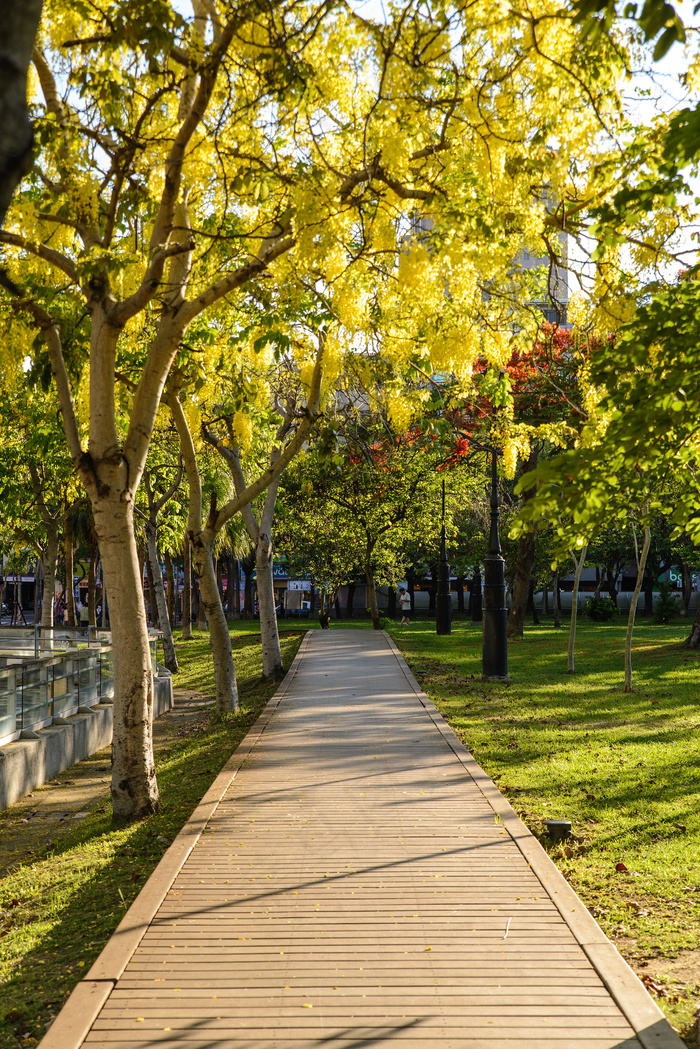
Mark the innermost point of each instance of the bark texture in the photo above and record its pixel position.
(49, 561)
(220, 639)
(524, 561)
(134, 787)
(20, 22)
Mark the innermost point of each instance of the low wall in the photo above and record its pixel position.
(28, 763)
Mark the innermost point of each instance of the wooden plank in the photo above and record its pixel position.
(354, 887)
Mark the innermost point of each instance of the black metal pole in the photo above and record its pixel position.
(443, 598)
(495, 628)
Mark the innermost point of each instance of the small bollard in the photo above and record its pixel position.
(558, 830)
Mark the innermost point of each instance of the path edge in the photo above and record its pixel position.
(629, 993)
(73, 1023)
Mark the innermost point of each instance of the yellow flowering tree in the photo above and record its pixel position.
(399, 166)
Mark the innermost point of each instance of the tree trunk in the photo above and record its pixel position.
(134, 786)
(349, 600)
(158, 601)
(219, 637)
(105, 620)
(391, 603)
(70, 595)
(92, 577)
(37, 583)
(599, 583)
(201, 611)
(521, 585)
(610, 581)
(151, 578)
(372, 597)
(693, 638)
(269, 634)
(172, 593)
(236, 589)
(229, 587)
(531, 606)
(248, 593)
(556, 600)
(648, 587)
(49, 588)
(633, 608)
(186, 590)
(433, 588)
(574, 609)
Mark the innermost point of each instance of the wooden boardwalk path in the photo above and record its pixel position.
(353, 879)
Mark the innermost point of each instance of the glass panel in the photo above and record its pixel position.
(87, 676)
(35, 695)
(106, 673)
(64, 688)
(8, 704)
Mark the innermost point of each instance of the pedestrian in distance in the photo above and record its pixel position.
(405, 602)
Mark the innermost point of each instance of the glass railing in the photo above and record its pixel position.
(37, 686)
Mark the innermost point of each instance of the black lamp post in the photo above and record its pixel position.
(443, 598)
(495, 629)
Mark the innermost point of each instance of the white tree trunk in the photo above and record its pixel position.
(269, 634)
(574, 608)
(219, 637)
(169, 657)
(134, 786)
(49, 565)
(633, 608)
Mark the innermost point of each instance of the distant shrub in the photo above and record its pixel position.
(668, 604)
(600, 609)
(385, 623)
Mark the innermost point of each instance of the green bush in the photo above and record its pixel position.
(667, 606)
(600, 609)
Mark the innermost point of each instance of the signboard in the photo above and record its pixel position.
(299, 584)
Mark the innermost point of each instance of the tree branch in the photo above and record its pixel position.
(42, 251)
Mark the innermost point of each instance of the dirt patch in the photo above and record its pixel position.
(43, 816)
(684, 969)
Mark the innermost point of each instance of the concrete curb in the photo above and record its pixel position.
(641, 1012)
(28, 763)
(73, 1023)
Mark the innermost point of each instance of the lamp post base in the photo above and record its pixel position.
(496, 679)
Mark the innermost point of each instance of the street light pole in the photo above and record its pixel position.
(443, 598)
(495, 628)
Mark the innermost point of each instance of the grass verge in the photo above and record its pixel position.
(624, 768)
(57, 913)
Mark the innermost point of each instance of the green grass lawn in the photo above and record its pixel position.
(625, 769)
(57, 912)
